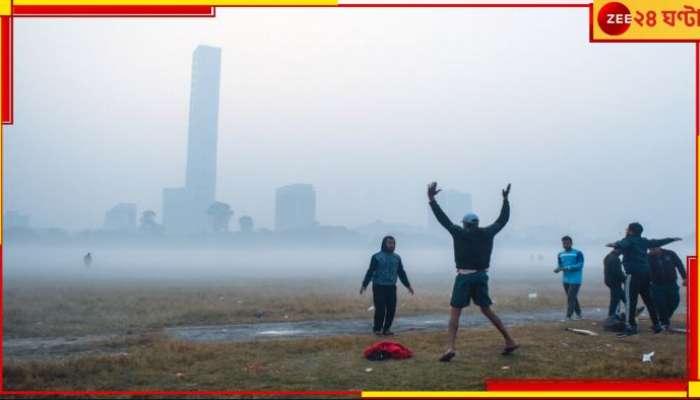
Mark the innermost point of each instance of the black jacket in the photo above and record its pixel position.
(614, 277)
(664, 266)
(472, 247)
(634, 250)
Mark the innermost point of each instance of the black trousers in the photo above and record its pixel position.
(666, 299)
(572, 305)
(639, 284)
(617, 295)
(384, 306)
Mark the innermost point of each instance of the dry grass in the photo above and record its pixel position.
(155, 362)
(36, 309)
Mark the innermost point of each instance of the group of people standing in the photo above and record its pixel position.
(649, 272)
(651, 276)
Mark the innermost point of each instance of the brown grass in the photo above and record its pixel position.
(158, 363)
(40, 310)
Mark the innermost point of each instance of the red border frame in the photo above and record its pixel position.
(6, 53)
(113, 11)
(626, 385)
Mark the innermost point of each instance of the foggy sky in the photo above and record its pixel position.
(366, 104)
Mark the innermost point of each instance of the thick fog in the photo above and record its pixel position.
(368, 105)
(321, 268)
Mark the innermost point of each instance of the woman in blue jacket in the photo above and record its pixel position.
(384, 268)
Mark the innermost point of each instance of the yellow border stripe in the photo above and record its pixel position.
(5, 7)
(522, 394)
(213, 3)
(693, 389)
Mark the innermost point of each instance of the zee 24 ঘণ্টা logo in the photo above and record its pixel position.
(615, 18)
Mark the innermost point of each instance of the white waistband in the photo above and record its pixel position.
(470, 271)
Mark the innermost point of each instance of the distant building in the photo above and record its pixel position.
(179, 210)
(184, 209)
(14, 219)
(295, 207)
(454, 203)
(246, 224)
(121, 217)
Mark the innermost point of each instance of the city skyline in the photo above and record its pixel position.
(473, 115)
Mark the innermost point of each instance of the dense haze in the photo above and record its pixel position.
(284, 267)
(366, 104)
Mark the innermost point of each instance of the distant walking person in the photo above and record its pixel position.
(571, 263)
(472, 251)
(384, 267)
(615, 281)
(87, 259)
(638, 275)
(664, 283)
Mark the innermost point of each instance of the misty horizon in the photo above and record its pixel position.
(368, 119)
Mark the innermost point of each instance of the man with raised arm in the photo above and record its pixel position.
(472, 251)
(638, 275)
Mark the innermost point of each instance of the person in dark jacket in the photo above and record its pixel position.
(384, 267)
(472, 251)
(638, 275)
(87, 260)
(615, 281)
(664, 283)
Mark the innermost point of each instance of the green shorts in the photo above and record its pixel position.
(471, 286)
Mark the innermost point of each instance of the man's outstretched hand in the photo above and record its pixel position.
(433, 190)
(506, 192)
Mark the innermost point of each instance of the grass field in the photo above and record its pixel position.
(136, 308)
(154, 362)
(44, 309)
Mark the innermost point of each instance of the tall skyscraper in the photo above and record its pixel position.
(295, 207)
(454, 203)
(184, 209)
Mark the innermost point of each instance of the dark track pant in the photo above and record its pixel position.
(572, 305)
(666, 299)
(384, 306)
(617, 295)
(639, 284)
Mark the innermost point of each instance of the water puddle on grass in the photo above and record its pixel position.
(310, 329)
(58, 347)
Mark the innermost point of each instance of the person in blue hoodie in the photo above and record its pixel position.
(384, 267)
(571, 264)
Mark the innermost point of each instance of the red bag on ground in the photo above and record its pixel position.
(386, 350)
